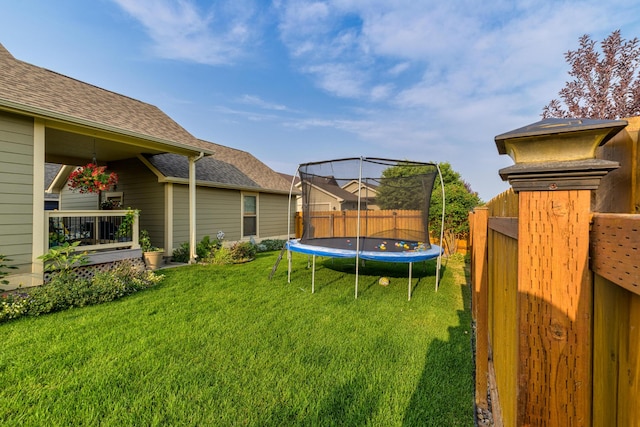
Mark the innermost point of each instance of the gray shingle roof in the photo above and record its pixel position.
(253, 168)
(207, 169)
(52, 94)
(227, 167)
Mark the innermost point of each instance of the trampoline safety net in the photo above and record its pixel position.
(376, 204)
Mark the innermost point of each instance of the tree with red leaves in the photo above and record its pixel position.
(606, 85)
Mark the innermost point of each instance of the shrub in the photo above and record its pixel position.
(62, 259)
(268, 245)
(206, 248)
(181, 254)
(65, 291)
(222, 256)
(3, 268)
(243, 251)
(11, 307)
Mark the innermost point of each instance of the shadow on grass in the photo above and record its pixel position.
(444, 394)
(378, 269)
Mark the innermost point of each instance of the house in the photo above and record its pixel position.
(331, 195)
(184, 187)
(236, 193)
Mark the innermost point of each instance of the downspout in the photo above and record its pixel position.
(192, 207)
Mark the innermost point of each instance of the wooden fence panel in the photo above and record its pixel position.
(502, 299)
(480, 303)
(398, 224)
(616, 358)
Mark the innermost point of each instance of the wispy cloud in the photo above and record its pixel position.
(183, 30)
(261, 103)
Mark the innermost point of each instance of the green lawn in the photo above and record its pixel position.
(224, 345)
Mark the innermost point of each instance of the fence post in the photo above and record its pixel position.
(555, 173)
(480, 301)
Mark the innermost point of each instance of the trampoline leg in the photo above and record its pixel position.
(289, 266)
(313, 276)
(409, 291)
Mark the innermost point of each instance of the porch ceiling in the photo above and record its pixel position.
(73, 148)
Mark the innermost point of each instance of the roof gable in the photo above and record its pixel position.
(227, 167)
(250, 166)
(37, 90)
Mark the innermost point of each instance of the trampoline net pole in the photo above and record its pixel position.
(313, 276)
(358, 224)
(409, 291)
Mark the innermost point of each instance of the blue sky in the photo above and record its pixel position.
(296, 81)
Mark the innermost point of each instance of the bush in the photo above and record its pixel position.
(268, 245)
(65, 291)
(181, 254)
(11, 307)
(243, 251)
(3, 269)
(206, 248)
(222, 256)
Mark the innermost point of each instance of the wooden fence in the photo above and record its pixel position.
(556, 306)
(400, 224)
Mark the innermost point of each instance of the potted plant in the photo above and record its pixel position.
(153, 256)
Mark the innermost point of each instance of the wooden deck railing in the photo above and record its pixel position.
(95, 230)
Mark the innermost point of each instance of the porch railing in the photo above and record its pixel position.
(95, 230)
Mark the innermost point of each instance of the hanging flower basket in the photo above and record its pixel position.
(92, 178)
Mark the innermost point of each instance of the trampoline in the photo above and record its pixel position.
(368, 209)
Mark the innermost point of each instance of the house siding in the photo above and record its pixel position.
(141, 190)
(216, 210)
(16, 189)
(74, 201)
(272, 216)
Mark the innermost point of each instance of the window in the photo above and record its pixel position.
(249, 215)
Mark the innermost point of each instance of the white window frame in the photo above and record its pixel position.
(242, 215)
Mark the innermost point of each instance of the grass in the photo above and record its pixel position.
(223, 345)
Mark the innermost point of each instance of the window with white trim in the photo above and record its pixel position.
(249, 215)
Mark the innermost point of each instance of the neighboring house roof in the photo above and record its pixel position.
(329, 185)
(228, 167)
(29, 88)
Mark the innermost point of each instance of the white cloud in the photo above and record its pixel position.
(259, 102)
(182, 30)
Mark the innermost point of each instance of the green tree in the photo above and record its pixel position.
(398, 191)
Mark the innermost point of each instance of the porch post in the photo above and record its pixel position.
(192, 210)
(555, 173)
(39, 238)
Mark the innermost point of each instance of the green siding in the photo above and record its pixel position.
(180, 215)
(16, 189)
(216, 210)
(273, 215)
(141, 190)
(221, 209)
(73, 201)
